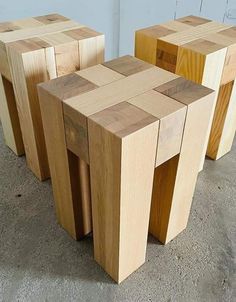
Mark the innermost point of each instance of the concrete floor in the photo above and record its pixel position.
(40, 262)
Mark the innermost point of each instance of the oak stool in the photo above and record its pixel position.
(34, 50)
(203, 51)
(118, 126)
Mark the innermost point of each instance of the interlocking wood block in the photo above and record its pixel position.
(202, 51)
(35, 50)
(116, 125)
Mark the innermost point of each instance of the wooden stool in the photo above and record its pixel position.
(203, 51)
(115, 125)
(32, 51)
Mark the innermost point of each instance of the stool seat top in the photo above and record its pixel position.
(123, 96)
(196, 33)
(188, 44)
(60, 40)
(44, 31)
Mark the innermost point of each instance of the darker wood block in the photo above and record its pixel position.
(166, 60)
(229, 32)
(166, 56)
(219, 119)
(81, 33)
(123, 119)
(193, 20)
(127, 65)
(76, 132)
(157, 31)
(69, 86)
(203, 46)
(184, 91)
(28, 45)
(8, 27)
(51, 18)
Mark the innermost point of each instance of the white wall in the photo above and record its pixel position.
(118, 19)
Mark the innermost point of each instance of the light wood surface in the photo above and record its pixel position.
(203, 51)
(27, 71)
(171, 115)
(99, 99)
(229, 128)
(222, 105)
(9, 117)
(175, 180)
(32, 51)
(121, 181)
(126, 119)
(69, 174)
(100, 75)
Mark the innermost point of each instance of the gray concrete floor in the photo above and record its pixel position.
(40, 262)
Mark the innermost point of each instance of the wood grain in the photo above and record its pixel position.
(146, 42)
(100, 99)
(121, 195)
(9, 117)
(219, 119)
(32, 51)
(69, 174)
(127, 65)
(51, 18)
(172, 190)
(193, 20)
(202, 51)
(27, 71)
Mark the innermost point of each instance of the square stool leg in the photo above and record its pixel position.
(70, 175)
(122, 171)
(224, 122)
(175, 180)
(28, 69)
(9, 117)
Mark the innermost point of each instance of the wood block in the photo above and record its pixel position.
(127, 65)
(70, 180)
(95, 101)
(175, 180)
(148, 38)
(124, 120)
(4, 65)
(193, 20)
(67, 145)
(171, 115)
(32, 51)
(8, 27)
(224, 98)
(120, 193)
(51, 18)
(9, 117)
(202, 51)
(229, 128)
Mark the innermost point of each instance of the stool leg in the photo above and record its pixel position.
(29, 69)
(69, 174)
(121, 172)
(9, 117)
(224, 122)
(175, 180)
